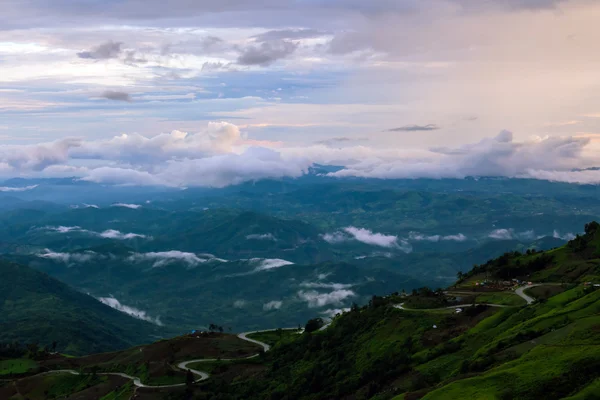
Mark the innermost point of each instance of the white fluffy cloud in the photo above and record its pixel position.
(509, 234)
(17, 189)
(335, 237)
(264, 264)
(216, 156)
(320, 285)
(566, 236)
(436, 238)
(114, 234)
(264, 236)
(124, 205)
(272, 305)
(65, 229)
(502, 234)
(221, 155)
(369, 237)
(84, 206)
(36, 157)
(363, 235)
(107, 234)
(136, 149)
(240, 303)
(134, 312)
(253, 164)
(316, 299)
(215, 171)
(550, 158)
(69, 258)
(167, 257)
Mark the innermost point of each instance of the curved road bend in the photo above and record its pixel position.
(202, 376)
(401, 307)
(519, 292)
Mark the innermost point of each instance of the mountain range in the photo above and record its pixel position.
(275, 253)
(489, 335)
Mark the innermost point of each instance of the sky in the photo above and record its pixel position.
(198, 92)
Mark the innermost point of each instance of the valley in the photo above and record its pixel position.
(393, 314)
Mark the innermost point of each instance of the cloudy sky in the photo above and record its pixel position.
(155, 92)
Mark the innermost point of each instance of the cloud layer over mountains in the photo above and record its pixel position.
(107, 234)
(221, 155)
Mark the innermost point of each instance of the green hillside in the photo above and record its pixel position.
(35, 308)
(546, 350)
(482, 338)
(578, 261)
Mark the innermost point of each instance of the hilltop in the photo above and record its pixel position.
(577, 261)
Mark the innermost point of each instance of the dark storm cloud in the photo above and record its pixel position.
(415, 128)
(103, 51)
(115, 95)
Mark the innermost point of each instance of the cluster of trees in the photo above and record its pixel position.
(580, 243)
(427, 292)
(333, 363)
(31, 350)
(314, 325)
(519, 268)
(216, 328)
(511, 265)
(12, 350)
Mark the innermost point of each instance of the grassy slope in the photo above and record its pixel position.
(17, 366)
(61, 386)
(549, 350)
(275, 336)
(362, 352)
(154, 363)
(37, 308)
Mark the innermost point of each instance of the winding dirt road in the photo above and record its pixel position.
(202, 376)
(528, 299)
(401, 307)
(519, 292)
